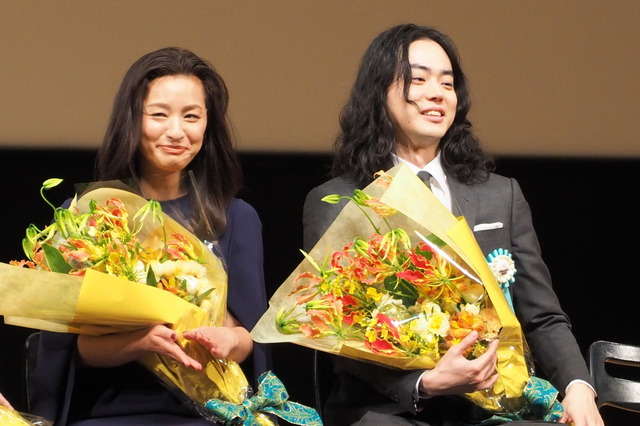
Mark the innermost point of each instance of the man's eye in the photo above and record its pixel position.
(417, 79)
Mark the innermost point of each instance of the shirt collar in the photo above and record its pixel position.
(434, 167)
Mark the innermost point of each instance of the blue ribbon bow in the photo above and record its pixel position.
(272, 397)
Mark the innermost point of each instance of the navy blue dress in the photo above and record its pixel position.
(129, 394)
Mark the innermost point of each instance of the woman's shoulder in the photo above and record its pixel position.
(241, 210)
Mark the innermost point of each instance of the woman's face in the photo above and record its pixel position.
(432, 90)
(173, 123)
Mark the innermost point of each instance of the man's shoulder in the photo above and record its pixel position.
(342, 185)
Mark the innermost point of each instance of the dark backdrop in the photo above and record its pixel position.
(583, 210)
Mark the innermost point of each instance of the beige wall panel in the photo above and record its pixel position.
(547, 77)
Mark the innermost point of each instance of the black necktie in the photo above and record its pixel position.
(425, 177)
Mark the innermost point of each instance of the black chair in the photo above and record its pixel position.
(615, 368)
(30, 353)
(323, 378)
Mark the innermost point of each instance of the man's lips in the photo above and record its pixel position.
(433, 114)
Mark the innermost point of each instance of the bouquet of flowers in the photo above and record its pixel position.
(96, 270)
(9, 417)
(397, 280)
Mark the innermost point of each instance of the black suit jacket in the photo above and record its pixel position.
(365, 387)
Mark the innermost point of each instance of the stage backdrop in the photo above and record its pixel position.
(582, 210)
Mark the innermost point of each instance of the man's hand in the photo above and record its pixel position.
(580, 407)
(454, 374)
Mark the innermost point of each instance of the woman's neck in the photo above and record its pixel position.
(163, 187)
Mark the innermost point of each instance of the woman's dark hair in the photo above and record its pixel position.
(216, 172)
(366, 143)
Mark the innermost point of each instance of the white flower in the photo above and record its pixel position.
(193, 284)
(139, 272)
(471, 308)
(430, 308)
(419, 325)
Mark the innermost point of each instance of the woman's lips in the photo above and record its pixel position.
(173, 149)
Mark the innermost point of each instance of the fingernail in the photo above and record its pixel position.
(173, 336)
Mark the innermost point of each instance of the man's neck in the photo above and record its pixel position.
(418, 156)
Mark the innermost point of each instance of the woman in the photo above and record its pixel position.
(169, 137)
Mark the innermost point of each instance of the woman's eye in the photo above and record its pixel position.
(418, 79)
(192, 117)
(155, 114)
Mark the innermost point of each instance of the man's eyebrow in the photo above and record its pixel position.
(428, 69)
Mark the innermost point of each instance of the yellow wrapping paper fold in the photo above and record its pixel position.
(99, 303)
(410, 197)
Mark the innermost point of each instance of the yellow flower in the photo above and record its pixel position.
(438, 324)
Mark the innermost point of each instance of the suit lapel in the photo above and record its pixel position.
(464, 199)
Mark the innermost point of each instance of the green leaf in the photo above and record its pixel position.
(311, 260)
(435, 240)
(55, 260)
(401, 289)
(203, 296)
(151, 278)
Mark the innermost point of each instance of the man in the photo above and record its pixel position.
(409, 104)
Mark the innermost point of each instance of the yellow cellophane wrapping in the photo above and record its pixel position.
(10, 417)
(98, 304)
(416, 205)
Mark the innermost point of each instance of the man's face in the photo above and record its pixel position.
(432, 90)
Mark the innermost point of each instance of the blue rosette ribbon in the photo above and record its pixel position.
(503, 268)
(271, 398)
(541, 396)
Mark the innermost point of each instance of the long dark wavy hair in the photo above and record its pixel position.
(366, 143)
(215, 170)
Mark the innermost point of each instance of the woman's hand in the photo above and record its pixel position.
(113, 350)
(229, 341)
(454, 374)
(3, 401)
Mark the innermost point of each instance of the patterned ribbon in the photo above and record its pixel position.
(542, 404)
(272, 397)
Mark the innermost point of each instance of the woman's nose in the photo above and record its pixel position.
(175, 129)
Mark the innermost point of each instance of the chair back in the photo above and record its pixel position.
(30, 354)
(619, 392)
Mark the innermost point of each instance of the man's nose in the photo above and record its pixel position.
(433, 90)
